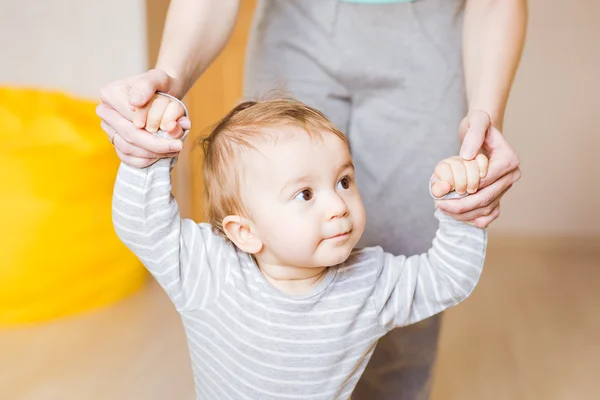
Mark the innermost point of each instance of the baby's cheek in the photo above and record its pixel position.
(286, 232)
(307, 237)
(358, 214)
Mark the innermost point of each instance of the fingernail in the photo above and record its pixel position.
(467, 154)
(185, 123)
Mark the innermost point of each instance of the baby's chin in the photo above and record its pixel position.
(336, 257)
(338, 254)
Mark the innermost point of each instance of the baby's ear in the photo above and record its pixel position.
(242, 232)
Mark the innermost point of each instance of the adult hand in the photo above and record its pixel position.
(479, 135)
(134, 145)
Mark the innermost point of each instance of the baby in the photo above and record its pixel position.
(276, 301)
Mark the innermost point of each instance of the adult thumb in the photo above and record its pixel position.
(147, 85)
(478, 122)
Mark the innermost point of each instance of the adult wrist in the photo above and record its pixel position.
(496, 115)
(177, 86)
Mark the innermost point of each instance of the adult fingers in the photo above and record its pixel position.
(138, 137)
(147, 85)
(478, 123)
(482, 198)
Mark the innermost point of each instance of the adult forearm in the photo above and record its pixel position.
(493, 37)
(195, 33)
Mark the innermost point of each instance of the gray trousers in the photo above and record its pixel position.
(390, 77)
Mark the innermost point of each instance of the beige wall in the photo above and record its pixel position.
(553, 121)
(72, 45)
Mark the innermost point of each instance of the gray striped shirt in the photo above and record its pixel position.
(248, 340)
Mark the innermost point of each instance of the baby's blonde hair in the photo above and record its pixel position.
(242, 126)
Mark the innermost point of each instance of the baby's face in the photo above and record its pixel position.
(302, 198)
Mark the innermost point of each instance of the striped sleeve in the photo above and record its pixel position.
(410, 289)
(187, 259)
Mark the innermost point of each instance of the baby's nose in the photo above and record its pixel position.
(338, 208)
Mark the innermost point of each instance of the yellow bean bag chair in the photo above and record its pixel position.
(59, 254)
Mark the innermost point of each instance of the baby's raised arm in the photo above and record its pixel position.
(410, 289)
(183, 256)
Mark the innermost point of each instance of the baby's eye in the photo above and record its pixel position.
(304, 195)
(344, 183)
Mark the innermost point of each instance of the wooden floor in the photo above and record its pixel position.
(530, 331)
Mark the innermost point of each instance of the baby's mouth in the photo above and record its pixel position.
(340, 236)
